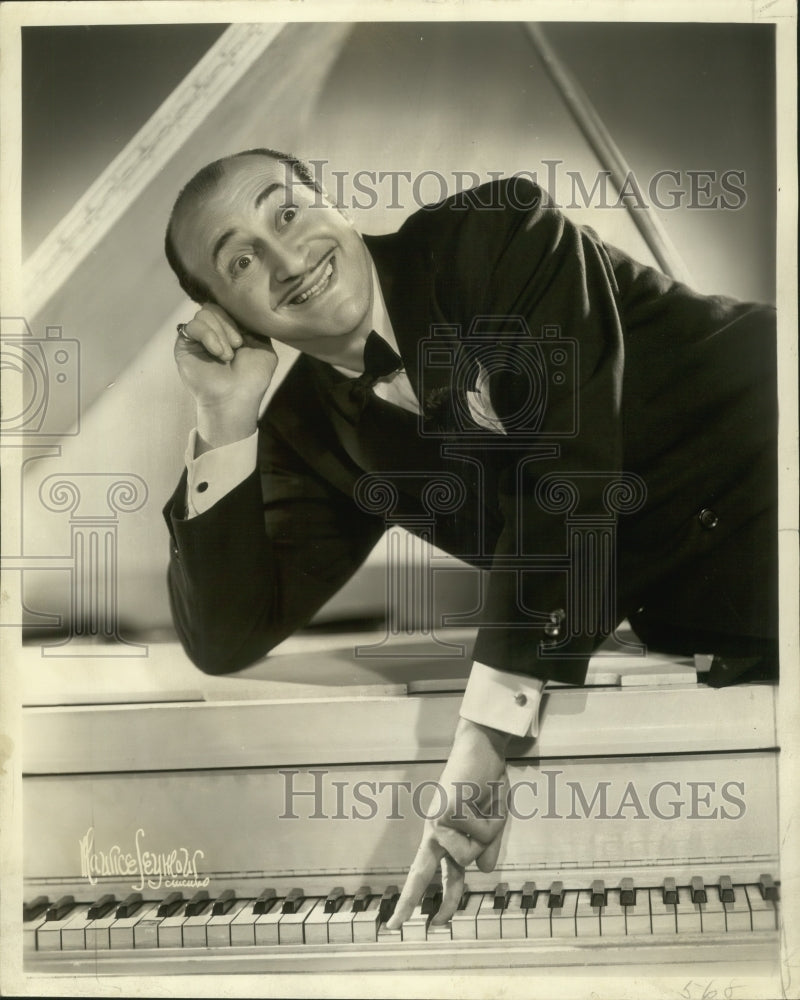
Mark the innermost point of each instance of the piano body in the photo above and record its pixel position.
(639, 833)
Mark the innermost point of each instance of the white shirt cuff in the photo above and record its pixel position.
(504, 701)
(215, 473)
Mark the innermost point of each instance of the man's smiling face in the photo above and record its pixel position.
(279, 259)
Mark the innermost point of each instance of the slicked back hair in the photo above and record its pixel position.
(204, 183)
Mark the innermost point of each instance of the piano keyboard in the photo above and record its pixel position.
(339, 924)
(640, 837)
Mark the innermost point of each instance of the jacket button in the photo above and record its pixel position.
(521, 699)
(553, 630)
(708, 518)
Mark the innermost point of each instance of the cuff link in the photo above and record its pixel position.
(520, 699)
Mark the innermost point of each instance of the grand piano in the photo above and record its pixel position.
(176, 823)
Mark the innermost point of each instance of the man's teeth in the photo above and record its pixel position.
(315, 289)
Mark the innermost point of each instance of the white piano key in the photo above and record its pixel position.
(242, 927)
(266, 925)
(340, 925)
(662, 914)
(487, 920)
(712, 913)
(290, 926)
(512, 919)
(687, 913)
(120, 933)
(365, 923)
(637, 917)
(587, 917)
(440, 932)
(537, 918)
(29, 929)
(463, 925)
(612, 916)
(145, 933)
(315, 929)
(170, 930)
(385, 936)
(562, 918)
(763, 912)
(98, 933)
(218, 928)
(415, 927)
(194, 929)
(73, 933)
(737, 913)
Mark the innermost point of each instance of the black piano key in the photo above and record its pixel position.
(627, 892)
(697, 890)
(464, 897)
(197, 903)
(388, 902)
(598, 892)
(34, 909)
(501, 894)
(223, 902)
(105, 904)
(670, 892)
(293, 901)
(334, 900)
(265, 901)
(556, 898)
(528, 896)
(768, 888)
(129, 905)
(61, 908)
(726, 893)
(431, 899)
(170, 905)
(361, 899)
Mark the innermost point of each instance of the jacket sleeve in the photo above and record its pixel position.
(258, 565)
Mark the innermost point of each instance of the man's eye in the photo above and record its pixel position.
(287, 214)
(242, 263)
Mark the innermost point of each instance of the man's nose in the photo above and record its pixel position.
(288, 259)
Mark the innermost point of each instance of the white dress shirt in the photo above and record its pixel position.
(505, 701)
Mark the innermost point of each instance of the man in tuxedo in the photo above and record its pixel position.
(601, 388)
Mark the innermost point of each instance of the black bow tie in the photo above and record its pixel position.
(380, 360)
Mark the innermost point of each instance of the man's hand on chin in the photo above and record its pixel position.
(469, 827)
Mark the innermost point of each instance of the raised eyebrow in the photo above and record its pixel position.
(268, 190)
(260, 198)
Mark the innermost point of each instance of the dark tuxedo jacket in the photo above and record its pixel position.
(608, 377)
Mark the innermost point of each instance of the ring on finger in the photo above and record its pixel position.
(181, 328)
